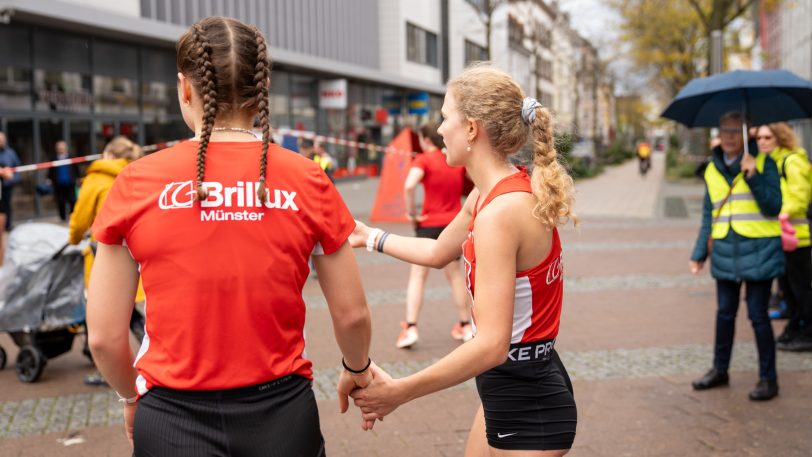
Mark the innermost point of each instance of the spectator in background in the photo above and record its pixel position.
(779, 141)
(63, 180)
(8, 160)
(742, 235)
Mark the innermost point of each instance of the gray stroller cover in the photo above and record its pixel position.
(41, 280)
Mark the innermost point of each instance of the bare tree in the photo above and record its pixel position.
(486, 10)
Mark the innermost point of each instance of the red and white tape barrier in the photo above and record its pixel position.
(158, 146)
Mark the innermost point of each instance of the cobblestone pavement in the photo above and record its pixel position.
(636, 328)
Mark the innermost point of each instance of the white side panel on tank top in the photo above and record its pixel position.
(522, 309)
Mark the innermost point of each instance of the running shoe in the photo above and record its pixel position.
(408, 336)
(462, 332)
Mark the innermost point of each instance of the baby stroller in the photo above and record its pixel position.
(42, 296)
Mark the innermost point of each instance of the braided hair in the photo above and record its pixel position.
(206, 74)
(261, 79)
(227, 63)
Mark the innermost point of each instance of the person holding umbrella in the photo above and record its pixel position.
(741, 234)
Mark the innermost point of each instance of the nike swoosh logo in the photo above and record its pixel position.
(500, 435)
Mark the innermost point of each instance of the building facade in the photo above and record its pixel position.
(785, 37)
(86, 70)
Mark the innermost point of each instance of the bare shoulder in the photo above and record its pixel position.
(506, 213)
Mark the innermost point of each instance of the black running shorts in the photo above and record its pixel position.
(528, 400)
(429, 232)
(275, 419)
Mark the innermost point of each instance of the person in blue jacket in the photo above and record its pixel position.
(740, 219)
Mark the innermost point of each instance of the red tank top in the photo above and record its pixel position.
(539, 290)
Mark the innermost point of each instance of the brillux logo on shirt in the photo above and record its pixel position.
(178, 195)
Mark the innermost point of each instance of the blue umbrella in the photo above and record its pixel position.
(765, 96)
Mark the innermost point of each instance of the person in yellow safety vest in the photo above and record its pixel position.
(318, 155)
(780, 142)
(742, 226)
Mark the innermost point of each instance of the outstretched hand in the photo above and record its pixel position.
(358, 237)
(382, 396)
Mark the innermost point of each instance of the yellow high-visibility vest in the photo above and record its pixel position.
(740, 211)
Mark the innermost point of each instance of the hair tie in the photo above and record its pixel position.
(529, 106)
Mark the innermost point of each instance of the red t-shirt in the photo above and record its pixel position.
(443, 188)
(539, 292)
(223, 278)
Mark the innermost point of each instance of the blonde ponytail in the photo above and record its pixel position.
(552, 185)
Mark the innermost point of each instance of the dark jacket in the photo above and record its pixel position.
(73, 173)
(9, 158)
(735, 257)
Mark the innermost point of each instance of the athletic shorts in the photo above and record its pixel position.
(278, 418)
(429, 232)
(528, 400)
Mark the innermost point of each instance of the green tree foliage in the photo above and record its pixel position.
(664, 39)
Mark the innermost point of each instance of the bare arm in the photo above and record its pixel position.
(409, 187)
(424, 251)
(340, 281)
(496, 251)
(110, 301)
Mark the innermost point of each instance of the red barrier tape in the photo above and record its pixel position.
(158, 146)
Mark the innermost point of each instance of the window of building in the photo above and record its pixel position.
(515, 32)
(544, 68)
(480, 5)
(474, 52)
(62, 79)
(159, 91)
(15, 68)
(115, 78)
(421, 45)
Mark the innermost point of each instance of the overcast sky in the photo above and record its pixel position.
(594, 20)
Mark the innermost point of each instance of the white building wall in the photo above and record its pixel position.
(796, 52)
(464, 24)
(124, 7)
(392, 31)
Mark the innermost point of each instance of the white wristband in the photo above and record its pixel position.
(373, 235)
(127, 401)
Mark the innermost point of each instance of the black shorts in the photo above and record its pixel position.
(275, 418)
(429, 232)
(528, 400)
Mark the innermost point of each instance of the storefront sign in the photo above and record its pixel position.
(333, 94)
(419, 103)
(392, 103)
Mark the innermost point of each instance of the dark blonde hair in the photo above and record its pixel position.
(122, 147)
(493, 99)
(784, 135)
(429, 132)
(227, 63)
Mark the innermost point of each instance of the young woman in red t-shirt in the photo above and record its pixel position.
(442, 187)
(221, 228)
(507, 235)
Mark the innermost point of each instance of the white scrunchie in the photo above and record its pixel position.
(529, 106)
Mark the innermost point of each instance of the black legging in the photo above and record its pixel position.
(797, 286)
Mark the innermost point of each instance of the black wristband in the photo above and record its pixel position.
(369, 362)
(381, 241)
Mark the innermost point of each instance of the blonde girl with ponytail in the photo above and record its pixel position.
(507, 233)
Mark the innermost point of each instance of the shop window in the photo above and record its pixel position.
(115, 78)
(62, 79)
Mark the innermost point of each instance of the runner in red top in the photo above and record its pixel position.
(221, 228)
(443, 195)
(539, 290)
(510, 242)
